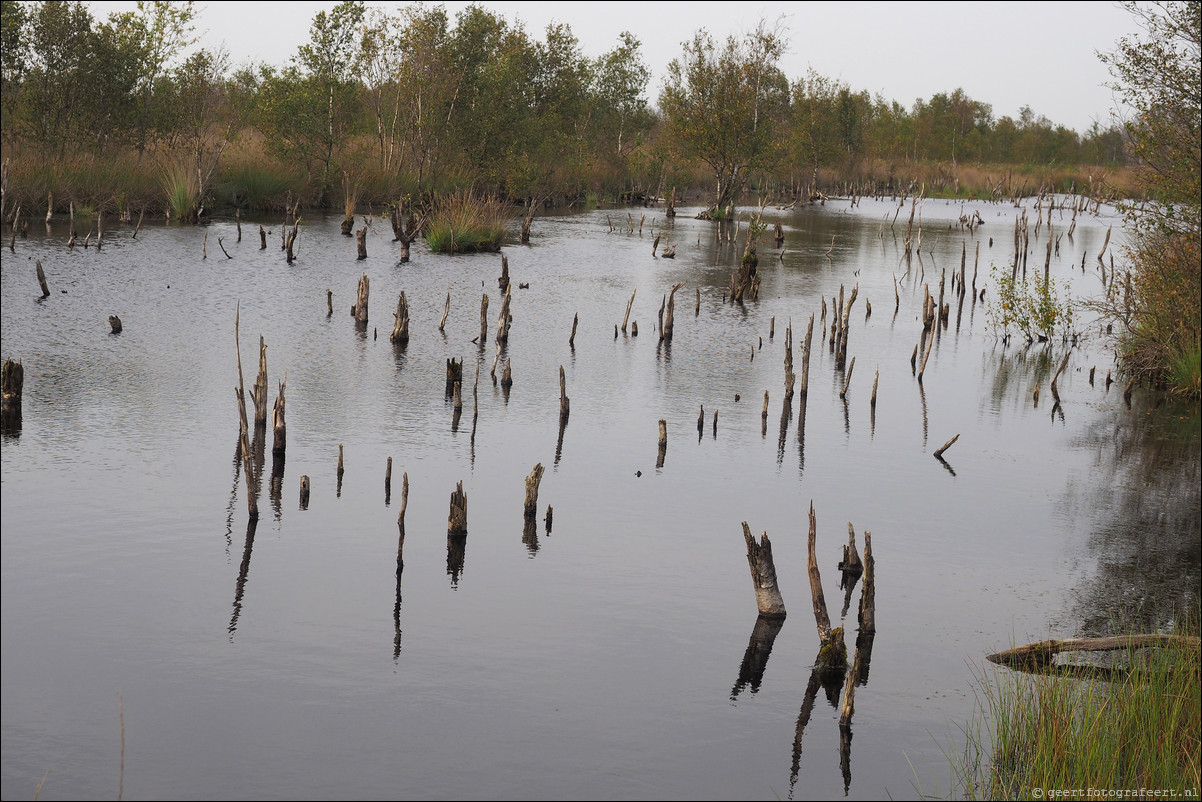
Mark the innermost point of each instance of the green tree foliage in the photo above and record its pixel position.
(723, 106)
(1157, 75)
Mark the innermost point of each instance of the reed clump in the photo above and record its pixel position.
(466, 223)
(1131, 725)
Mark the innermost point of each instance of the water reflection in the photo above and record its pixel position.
(755, 659)
(243, 572)
(1143, 497)
(456, 552)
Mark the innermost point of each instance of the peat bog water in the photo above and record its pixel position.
(610, 657)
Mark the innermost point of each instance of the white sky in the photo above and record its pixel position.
(1006, 54)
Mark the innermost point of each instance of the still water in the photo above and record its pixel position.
(156, 646)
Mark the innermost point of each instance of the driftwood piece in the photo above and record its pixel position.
(1042, 653)
(763, 575)
(457, 520)
(945, 447)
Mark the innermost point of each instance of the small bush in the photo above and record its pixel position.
(1032, 307)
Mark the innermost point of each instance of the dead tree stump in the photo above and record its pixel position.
(258, 393)
(763, 575)
(832, 654)
(12, 383)
(304, 493)
(361, 243)
(564, 401)
(115, 323)
(457, 520)
(503, 281)
(42, 280)
(531, 507)
(359, 310)
(279, 428)
(665, 334)
(400, 328)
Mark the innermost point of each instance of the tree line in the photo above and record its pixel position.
(380, 103)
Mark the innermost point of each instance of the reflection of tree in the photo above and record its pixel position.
(1146, 505)
(1033, 362)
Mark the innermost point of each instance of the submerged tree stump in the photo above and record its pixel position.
(564, 402)
(629, 304)
(503, 281)
(115, 324)
(279, 427)
(530, 509)
(454, 374)
(258, 393)
(42, 280)
(361, 243)
(867, 616)
(12, 384)
(666, 331)
(763, 575)
(400, 328)
(504, 318)
(359, 310)
(457, 520)
(304, 493)
(832, 654)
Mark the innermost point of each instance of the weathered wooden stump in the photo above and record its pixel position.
(504, 318)
(42, 279)
(361, 243)
(503, 281)
(359, 310)
(530, 509)
(457, 519)
(400, 328)
(454, 374)
(258, 393)
(832, 654)
(763, 575)
(483, 320)
(663, 443)
(304, 493)
(564, 401)
(572, 339)
(665, 334)
(279, 427)
(629, 304)
(115, 324)
(12, 383)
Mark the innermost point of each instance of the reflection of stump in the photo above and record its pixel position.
(457, 520)
(10, 406)
(456, 550)
(763, 575)
(755, 659)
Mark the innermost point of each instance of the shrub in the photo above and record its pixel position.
(465, 223)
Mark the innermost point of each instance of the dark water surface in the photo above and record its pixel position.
(609, 658)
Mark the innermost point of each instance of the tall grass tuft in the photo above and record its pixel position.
(466, 223)
(182, 190)
(1136, 729)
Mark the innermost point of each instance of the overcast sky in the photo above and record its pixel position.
(1006, 54)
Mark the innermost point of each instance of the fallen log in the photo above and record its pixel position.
(1042, 653)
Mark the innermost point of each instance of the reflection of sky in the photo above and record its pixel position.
(603, 661)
